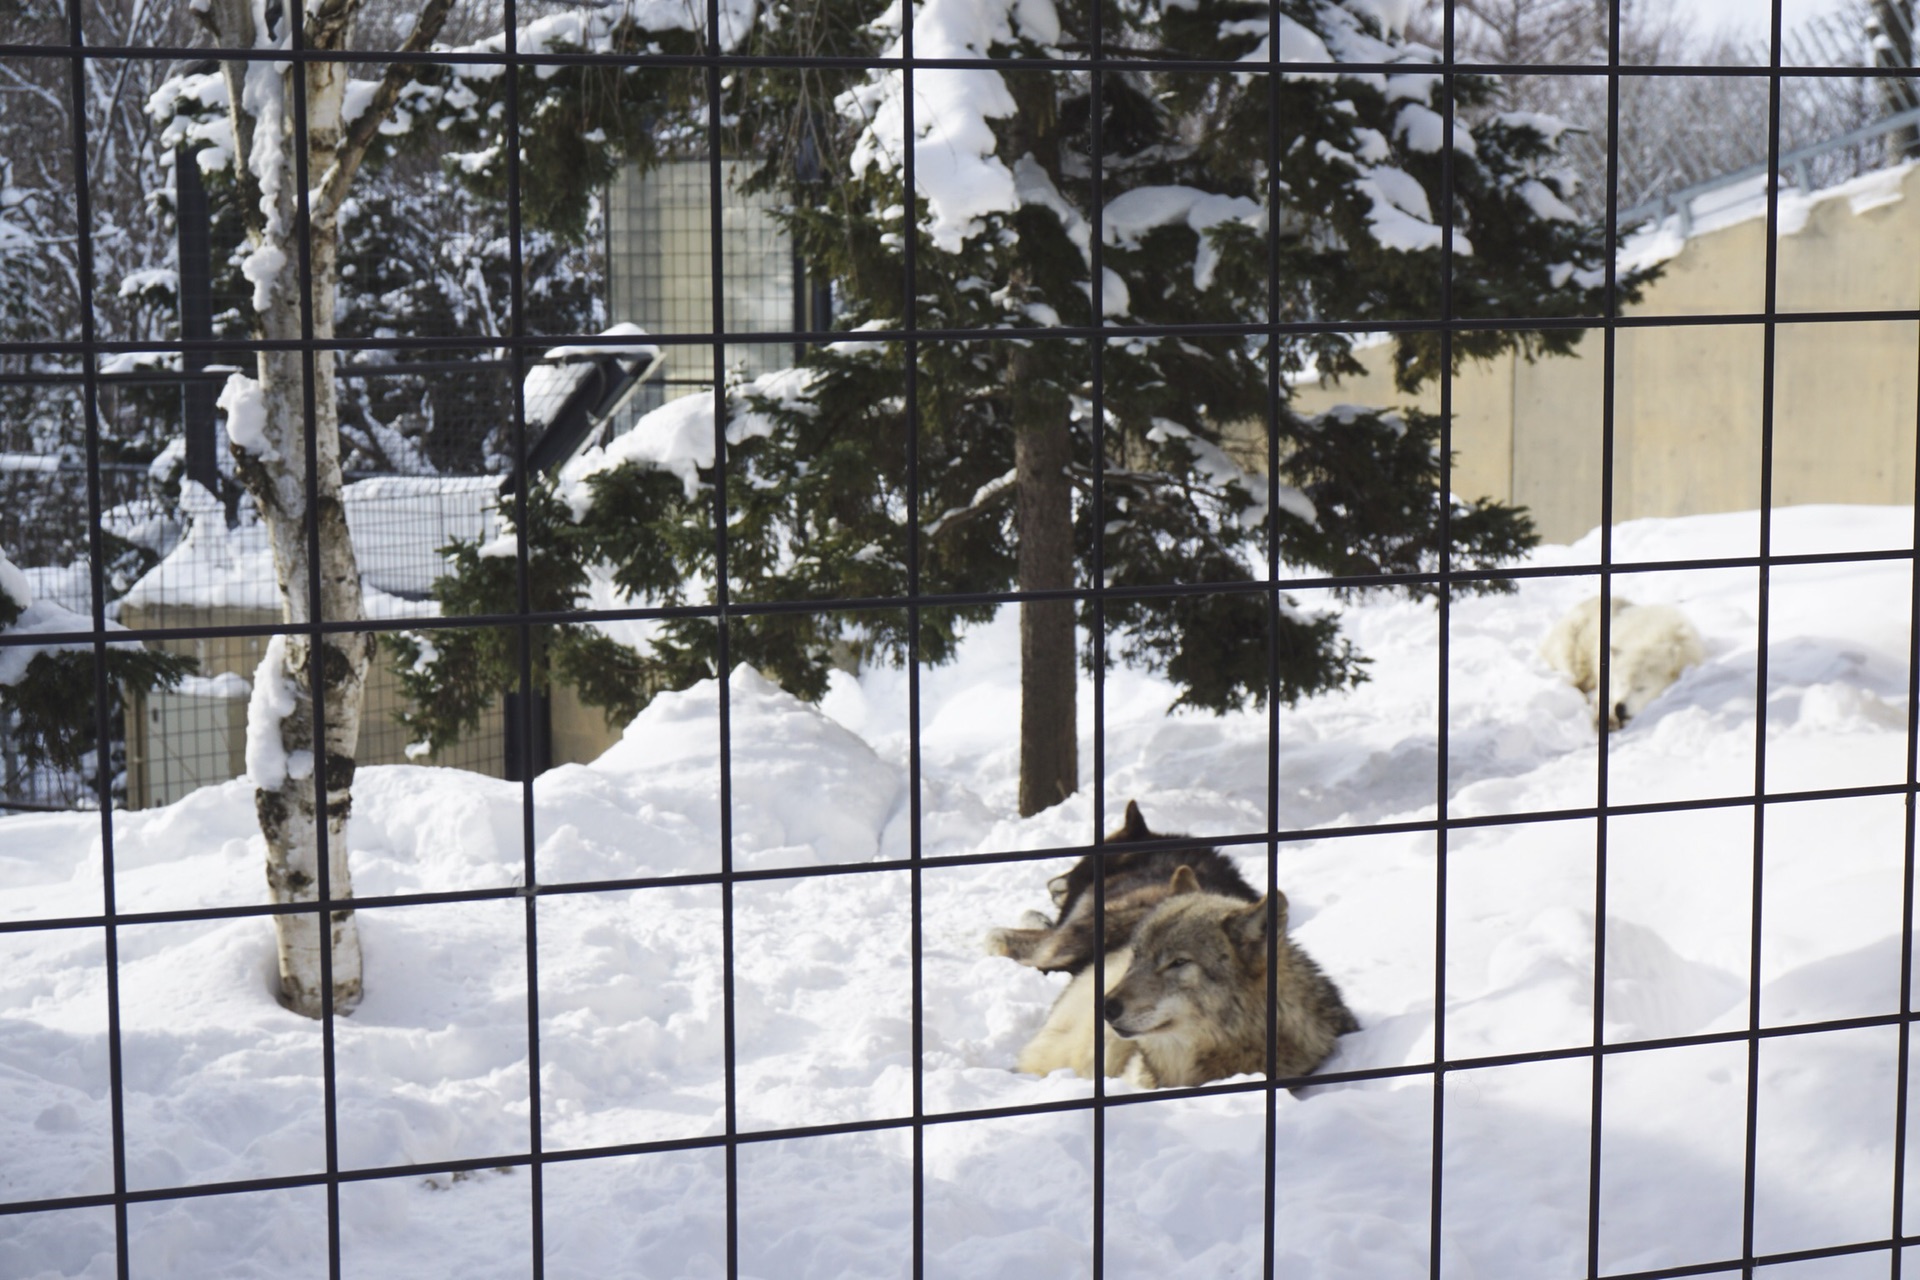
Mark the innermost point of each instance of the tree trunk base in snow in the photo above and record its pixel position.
(300, 955)
(1049, 745)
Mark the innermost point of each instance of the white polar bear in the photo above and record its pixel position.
(1648, 646)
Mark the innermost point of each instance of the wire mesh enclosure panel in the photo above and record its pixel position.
(957, 639)
(660, 273)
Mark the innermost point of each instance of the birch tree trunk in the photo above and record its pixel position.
(285, 435)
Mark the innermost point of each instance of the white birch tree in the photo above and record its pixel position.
(283, 422)
(304, 721)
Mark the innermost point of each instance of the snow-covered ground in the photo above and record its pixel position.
(221, 1084)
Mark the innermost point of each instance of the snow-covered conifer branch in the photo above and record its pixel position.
(988, 495)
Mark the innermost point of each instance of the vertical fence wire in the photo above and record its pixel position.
(1903, 1044)
(96, 577)
(528, 729)
(311, 366)
(1763, 604)
(1270, 419)
(1443, 654)
(1609, 352)
(910, 371)
(1097, 580)
(722, 598)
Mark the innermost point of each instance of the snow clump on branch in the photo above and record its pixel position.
(271, 701)
(678, 436)
(246, 412)
(954, 164)
(23, 614)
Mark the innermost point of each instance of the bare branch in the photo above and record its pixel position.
(333, 184)
(328, 21)
(230, 22)
(988, 495)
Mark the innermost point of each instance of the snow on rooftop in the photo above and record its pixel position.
(677, 437)
(548, 385)
(14, 585)
(399, 526)
(591, 29)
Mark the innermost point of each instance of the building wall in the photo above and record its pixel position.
(580, 733)
(1690, 402)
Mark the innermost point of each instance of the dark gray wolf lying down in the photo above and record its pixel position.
(1136, 883)
(1186, 974)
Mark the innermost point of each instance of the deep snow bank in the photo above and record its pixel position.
(221, 1084)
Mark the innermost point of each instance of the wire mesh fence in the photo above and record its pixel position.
(449, 420)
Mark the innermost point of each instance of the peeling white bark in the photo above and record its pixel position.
(318, 579)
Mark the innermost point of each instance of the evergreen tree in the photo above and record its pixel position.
(1025, 179)
(48, 694)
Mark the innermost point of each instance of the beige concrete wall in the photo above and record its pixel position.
(1689, 401)
(580, 732)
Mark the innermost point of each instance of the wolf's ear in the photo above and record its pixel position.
(1133, 826)
(1183, 881)
(1247, 927)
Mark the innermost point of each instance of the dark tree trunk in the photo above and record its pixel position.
(1042, 450)
(1043, 447)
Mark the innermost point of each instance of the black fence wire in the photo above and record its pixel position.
(702, 352)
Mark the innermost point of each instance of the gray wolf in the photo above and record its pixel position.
(1648, 647)
(1135, 883)
(1186, 1001)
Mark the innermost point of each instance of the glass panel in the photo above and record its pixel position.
(1673, 1155)
(478, 1221)
(1824, 1171)
(58, 1106)
(211, 1094)
(662, 1214)
(1520, 939)
(825, 1206)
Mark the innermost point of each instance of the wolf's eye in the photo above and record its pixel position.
(1174, 966)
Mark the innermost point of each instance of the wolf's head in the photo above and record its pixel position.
(1198, 959)
(1066, 889)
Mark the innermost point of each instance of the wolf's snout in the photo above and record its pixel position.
(1619, 714)
(1113, 1009)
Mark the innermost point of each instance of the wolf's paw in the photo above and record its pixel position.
(1019, 943)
